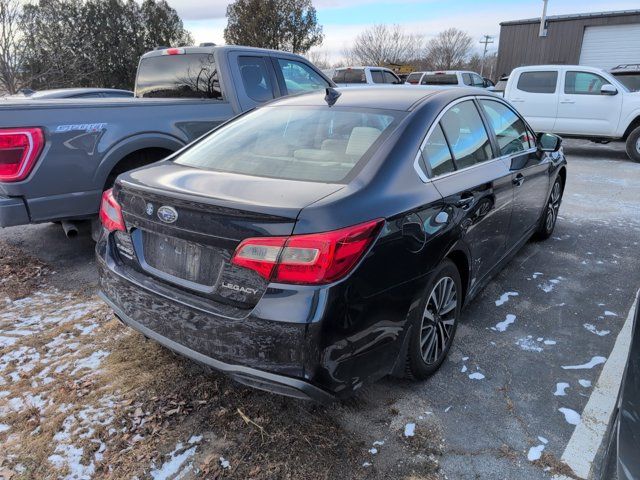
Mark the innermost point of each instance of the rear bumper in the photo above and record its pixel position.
(13, 211)
(252, 377)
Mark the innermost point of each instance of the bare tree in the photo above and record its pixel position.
(384, 45)
(449, 49)
(11, 46)
(320, 58)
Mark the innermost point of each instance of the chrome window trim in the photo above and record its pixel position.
(416, 163)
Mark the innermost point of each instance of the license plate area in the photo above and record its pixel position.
(188, 264)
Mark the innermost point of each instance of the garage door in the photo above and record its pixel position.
(610, 45)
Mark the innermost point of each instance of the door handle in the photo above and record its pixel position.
(464, 202)
(518, 180)
(567, 101)
(517, 100)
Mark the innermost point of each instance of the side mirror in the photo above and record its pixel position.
(608, 89)
(548, 142)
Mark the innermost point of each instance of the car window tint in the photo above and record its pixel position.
(390, 77)
(436, 153)
(350, 75)
(466, 134)
(538, 82)
(414, 78)
(439, 79)
(255, 78)
(376, 76)
(511, 132)
(466, 79)
(583, 83)
(299, 77)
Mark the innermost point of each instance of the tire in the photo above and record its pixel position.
(433, 332)
(550, 215)
(633, 145)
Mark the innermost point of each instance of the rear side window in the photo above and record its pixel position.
(294, 143)
(255, 78)
(350, 75)
(376, 76)
(511, 132)
(629, 80)
(466, 134)
(466, 79)
(299, 77)
(179, 76)
(436, 153)
(538, 82)
(440, 79)
(414, 78)
(477, 80)
(583, 83)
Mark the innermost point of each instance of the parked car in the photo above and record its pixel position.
(324, 241)
(350, 76)
(500, 87)
(628, 75)
(57, 157)
(577, 101)
(72, 93)
(460, 78)
(621, 459)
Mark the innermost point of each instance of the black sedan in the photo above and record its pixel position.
(324, 241)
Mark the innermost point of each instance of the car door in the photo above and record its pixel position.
(535, 95)
(582, 109)
(529, 171)
(256, 79)
(475, 185)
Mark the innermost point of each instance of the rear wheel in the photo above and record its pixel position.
(550, 215)
(633, 145)
(434, 331)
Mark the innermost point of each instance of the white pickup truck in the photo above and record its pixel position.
(577, 101)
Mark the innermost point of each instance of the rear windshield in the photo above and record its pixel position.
(440, 79)
(351, 75)
(179, 76)
(414, 78)
(316, 144)
(629, 80)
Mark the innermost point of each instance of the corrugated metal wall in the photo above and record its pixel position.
(520, 44)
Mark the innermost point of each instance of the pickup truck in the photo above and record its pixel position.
(577, 101)
(58, 156)
(360, 76)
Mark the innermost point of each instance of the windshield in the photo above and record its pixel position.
(440, 79)
(316, 144)
(629, 80)
(179, 76)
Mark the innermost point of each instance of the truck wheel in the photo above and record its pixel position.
(633, 145)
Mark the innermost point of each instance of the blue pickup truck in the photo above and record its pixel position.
(58, 156)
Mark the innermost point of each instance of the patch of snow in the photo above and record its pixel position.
(224, 463)
(561, 388)
(476, 376)
(585, 383)
(608, 313)
(537, 274)
(502, 326)
(585, 366)
(4, 427)
(593, 329)
(535, 453)
(571, 416)
(378, 443)
(448, 408)
(543, 440)
(548, 286)
(195, 439)
(529, 344)
(373, 451)
(172, 466)
(464, 359)
(410, 429)
(504, 298)
(463, 369)
(366, 464)
(92, 362)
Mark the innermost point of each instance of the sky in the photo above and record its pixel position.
(343, 20)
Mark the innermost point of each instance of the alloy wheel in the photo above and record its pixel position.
(438, 320)
(553, 206)
(638, 145)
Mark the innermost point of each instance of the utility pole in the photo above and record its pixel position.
(543, 20)
(487, 40)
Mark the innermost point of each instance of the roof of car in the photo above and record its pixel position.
(390, 97)
(70, 92)
(360, 67)
(209, 49)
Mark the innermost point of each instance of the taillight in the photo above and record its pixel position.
(111, 212)
(19, 150)
(173, 51)
(312, 259)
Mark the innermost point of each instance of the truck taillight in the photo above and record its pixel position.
(312, 259)
(111, 213)
(19, 151)
(173, 51)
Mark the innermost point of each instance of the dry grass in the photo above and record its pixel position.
(19, 273)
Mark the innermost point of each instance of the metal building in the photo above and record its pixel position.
(603, 40)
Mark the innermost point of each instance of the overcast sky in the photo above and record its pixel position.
(343, 20)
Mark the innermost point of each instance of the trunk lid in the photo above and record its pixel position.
(184, 224)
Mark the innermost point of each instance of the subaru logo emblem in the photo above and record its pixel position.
(149, 209)
(167, 214)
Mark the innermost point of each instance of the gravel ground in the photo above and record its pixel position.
(81, 396)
